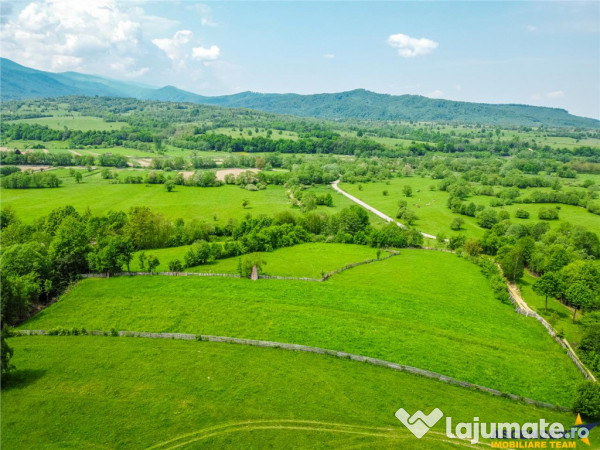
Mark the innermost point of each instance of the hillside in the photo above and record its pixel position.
(19, 82)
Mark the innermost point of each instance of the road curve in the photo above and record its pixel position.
(368, 207)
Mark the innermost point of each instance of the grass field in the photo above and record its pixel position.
(75, 122)
(101, 196)
(303, 260)
(429, 206)
(558, 315)
(103, 392)
(434, 216)
(406, 309)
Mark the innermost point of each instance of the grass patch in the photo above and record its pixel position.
(74, 122)
(558, 315)
(101, 196)
(304, 260)
(90, 392)
(425, 309)
(435, 217)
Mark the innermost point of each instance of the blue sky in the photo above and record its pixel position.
(541, 53)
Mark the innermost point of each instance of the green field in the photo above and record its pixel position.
(303, 260)
(434, 216)
(405, 309)
(559, 315)
(75, 122)
(101, 196)
(91, 392)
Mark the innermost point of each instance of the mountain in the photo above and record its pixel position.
(363, 104)
(20, 82)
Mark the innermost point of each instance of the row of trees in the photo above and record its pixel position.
(39, 260)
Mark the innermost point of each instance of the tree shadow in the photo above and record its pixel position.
(19, 379)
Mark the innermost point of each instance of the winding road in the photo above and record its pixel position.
(368, 207)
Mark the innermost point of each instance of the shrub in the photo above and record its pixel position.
(457, 223)
(487, 218)
(548, 214)
(587, 400)
(521, 214)
(175, 266)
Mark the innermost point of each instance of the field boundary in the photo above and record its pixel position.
(235, 275)
(307, 349)
(521, 307)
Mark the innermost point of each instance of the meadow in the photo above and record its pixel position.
(559, 315)
(303, 260)
(405, 309)
(216, 204)
(434, 217)
(75, 122)
(89, 392)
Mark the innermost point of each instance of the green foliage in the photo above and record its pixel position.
(111, 255)
(587, 401)
(248, 262)
(175, 266)
(521, 214)
(199, 253)
(548, 214)
(6, 351)
(29, 179)
(457, 223)
(549, 284)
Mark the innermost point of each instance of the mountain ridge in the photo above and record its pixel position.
(19, 82)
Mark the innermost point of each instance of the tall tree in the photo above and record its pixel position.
(548, 284)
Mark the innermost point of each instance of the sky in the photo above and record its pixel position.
(537, 53)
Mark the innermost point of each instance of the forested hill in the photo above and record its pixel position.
(362, 104)
(19, 82)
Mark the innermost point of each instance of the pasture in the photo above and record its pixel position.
(90, 392)
(217, 204)
(405, 309)
(75, 122)
(434, 217)
(303, 260)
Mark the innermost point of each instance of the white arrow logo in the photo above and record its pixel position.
(419, 423)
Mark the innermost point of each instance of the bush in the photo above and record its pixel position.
(548, 214)
(457, 224)
(587, 400)
(175, 266)
(521, 214)
(487, 218)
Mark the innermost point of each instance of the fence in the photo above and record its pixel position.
(318, 350)
(169, 274)
(552, 332)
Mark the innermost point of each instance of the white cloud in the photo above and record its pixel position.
(180, 50)
(531, 28)
(328, 56)
(555, 94)
(175, 48)
(205, 15)
(458, 87)
(73, 35)
(202, 53)
(435, 94)
(409, 47)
